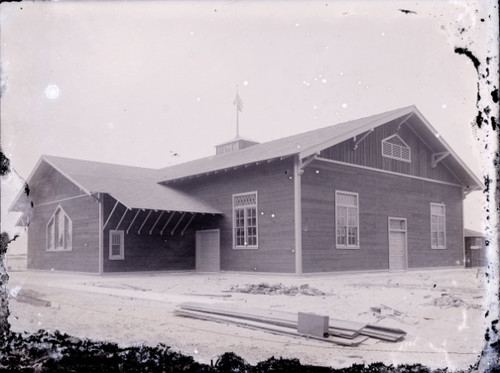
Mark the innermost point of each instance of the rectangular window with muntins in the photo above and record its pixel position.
(245, 228)
(438, 226)
(116, 245)
(394, 147)
(347, 220)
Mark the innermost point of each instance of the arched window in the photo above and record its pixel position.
(59, 231)
(394, 147)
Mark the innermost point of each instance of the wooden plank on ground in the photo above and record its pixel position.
(382, 332)
(346, 329)
(275, 329)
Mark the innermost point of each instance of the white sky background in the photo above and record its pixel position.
(140, 80)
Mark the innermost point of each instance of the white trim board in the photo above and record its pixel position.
(61, 200)
(386, 171)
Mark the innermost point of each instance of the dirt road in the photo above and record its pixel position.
(441, 310)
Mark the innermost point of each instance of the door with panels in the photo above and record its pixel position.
(398, 256)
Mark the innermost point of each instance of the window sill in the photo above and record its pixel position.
(117, 258)
(347, 247)
(58, 250)
(245, 247)
(438, 248)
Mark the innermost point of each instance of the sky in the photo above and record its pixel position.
(152, 84)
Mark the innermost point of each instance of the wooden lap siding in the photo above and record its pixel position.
(273, 183)
(151, 252)
(380, 196)
(50, 186)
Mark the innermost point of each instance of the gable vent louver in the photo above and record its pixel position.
(394, 147)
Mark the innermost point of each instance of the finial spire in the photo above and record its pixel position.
(239, 107)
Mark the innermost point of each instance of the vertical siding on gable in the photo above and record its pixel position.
(380, 196)
(369, 153)
(274, 185)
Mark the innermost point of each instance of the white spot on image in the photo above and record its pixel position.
(198, 99)
(444, 106)
(297, 24)
(315, 107)
(111, 124)
(52, 92)
(191, 33)
(306, 83)
(344, 106)
(383, 33)
(323, 80)
(245, 82)
(14, 291)
(437, 135)
(341, 73)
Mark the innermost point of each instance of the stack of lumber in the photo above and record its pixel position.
(342, 332)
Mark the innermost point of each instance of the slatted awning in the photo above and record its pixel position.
(144, 221)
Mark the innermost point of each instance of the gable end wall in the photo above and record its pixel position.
(50, 189)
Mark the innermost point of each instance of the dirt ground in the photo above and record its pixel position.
(441, 310)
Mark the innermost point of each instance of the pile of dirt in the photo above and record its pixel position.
(278, 289)
(449, 300)
(30, 296)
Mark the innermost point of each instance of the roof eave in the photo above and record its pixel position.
(478, 184)
(226, 169)
(376, 123)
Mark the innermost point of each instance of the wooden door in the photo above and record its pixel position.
(208, 251)
(397, 244)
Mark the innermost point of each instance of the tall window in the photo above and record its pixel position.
(347, 220)
(59, 231)
(245, 231)
(116, 247)
(394, 147)
(438, 226)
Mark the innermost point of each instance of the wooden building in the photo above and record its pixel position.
(475, 249)
(379, 193)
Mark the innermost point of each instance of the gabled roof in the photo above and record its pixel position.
(309, 143)
(134, 187)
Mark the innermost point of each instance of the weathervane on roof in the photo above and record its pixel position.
(239, 107)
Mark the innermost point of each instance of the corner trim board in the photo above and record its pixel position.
(297, 193)
(101, 238)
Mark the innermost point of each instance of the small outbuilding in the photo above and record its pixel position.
(475, 249)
